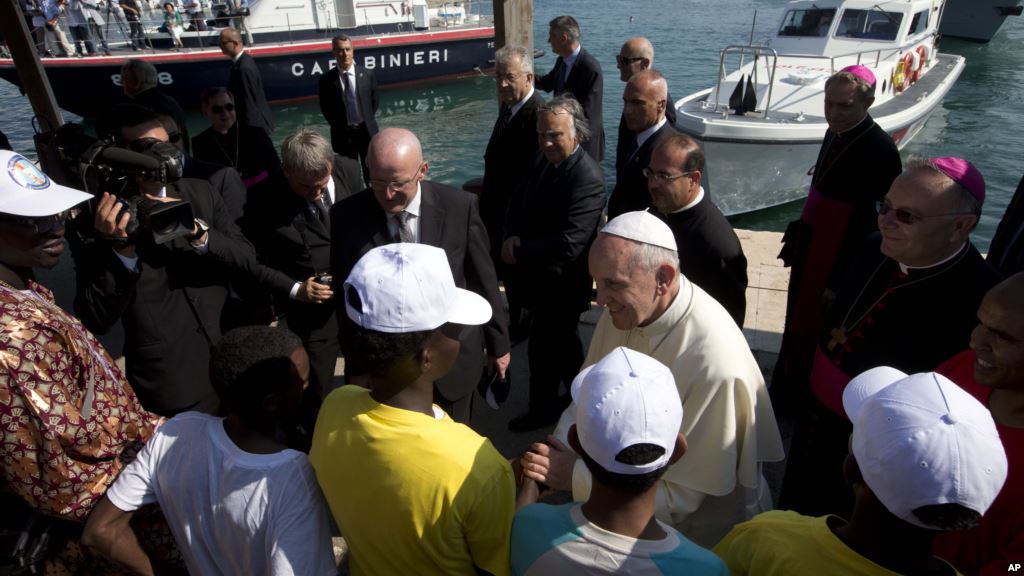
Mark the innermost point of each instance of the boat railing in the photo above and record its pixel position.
(742, 50)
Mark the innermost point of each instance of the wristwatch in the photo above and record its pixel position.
(201, 228)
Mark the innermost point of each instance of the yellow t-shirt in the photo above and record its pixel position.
(785, 543)
(412, 494)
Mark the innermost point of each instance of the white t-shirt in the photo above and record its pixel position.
(230, 511)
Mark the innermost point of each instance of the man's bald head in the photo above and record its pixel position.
(998, 340)
(230, 42)
(635, 55)
(395, 160)
(645, 100)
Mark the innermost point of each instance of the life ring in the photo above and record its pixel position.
(904, 69)
(922, 58)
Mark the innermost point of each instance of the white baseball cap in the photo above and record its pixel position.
(643, 227)
(26, 191)
(627, 398)
(408, 287)
(921, 440)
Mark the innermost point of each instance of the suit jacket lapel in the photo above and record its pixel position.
(378, 224)
(431, 216)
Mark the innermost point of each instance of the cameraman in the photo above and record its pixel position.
(169, 296)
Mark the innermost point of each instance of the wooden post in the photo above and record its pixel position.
(26, 62)
(513, 23)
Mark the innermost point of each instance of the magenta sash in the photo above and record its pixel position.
(828, 382)
(250, 182)
(829, 220)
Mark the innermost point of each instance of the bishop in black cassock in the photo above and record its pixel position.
(856, 165)
(909, 303)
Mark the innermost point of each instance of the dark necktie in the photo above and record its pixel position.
(322, 208)
(351, 104)
(503, 120)
(404, 227)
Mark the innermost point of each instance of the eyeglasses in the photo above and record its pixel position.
(396, 185)
(626, 60)
(663, 176)
(908, 217)
(174, 137)
(41, 225)
(229, 107)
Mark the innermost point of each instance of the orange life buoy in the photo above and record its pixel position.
(922, 56)
(904, 70)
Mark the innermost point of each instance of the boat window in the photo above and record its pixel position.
(869, 24)
(809, 23)
(919, 22)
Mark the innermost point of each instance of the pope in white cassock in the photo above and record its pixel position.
(727, 417)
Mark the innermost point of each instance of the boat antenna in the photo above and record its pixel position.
(750, 42)
(753, 23)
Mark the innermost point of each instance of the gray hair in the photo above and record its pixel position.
(506, 54)
(963, 200)
(142, 70)
(648, 257)
(864, 90)
(566, 104)
(306, 152)
(567, 25)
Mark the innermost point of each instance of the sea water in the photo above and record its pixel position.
(981, 119)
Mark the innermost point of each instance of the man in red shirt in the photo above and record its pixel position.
(992, 370)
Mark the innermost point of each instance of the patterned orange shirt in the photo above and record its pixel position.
(68, 418)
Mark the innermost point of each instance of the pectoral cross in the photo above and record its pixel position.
(838, 337)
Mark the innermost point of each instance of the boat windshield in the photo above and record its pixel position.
(869, 24)
(814, 22)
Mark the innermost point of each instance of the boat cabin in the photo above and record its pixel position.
(835, 27)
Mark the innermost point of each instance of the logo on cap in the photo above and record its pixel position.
(26, 175)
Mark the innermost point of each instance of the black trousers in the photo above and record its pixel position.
(556, 355)
(814, 483)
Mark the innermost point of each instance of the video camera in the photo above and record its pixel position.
(101, 166)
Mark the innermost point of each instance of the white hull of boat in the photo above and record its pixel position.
(977, 20)
(755, 169)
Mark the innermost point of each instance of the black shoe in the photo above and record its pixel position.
(532, 421)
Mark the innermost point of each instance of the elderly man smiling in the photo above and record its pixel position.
(727, 417)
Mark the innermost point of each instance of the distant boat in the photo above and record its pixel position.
(403, 42)
(763, 155)
(977, 20)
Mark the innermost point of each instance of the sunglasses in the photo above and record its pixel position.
(626, 60)
(174, 137)
(908, 217)
(229, 107)
(41, 225)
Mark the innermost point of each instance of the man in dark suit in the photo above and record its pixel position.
(245, 83)
(401, 206)
(710, 254)
(287, 219)
(512, 148)
(139, 82)
(348, 101)
(578, 73)
(169, 296)
(636, 55)
(644, 103)
(550, 227)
